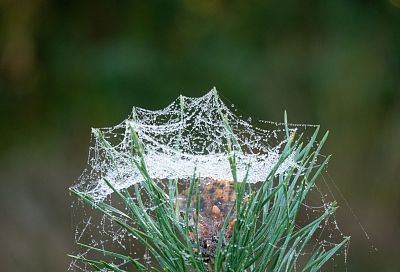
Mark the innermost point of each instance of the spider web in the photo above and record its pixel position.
(190, 133)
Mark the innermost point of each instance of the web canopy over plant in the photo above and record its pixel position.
(190, 139)
(189, 133)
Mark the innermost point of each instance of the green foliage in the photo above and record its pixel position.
(265, 235)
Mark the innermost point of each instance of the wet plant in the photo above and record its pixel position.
(265, 234)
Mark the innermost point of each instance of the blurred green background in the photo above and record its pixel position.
(67, 66)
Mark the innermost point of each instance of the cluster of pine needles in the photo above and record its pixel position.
(265, 235)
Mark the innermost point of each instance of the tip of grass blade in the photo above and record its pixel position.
(285, 119)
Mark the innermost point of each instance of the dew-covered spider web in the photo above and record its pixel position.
(189, 133)
(192, 134)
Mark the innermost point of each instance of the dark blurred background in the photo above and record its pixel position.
(67, 66)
